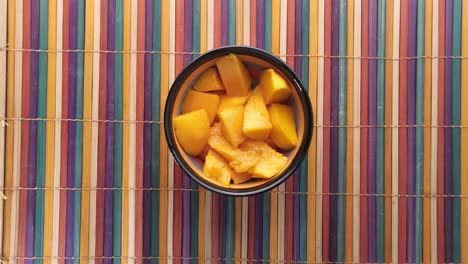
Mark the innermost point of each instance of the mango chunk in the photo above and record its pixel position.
(268, 161)
(208, 81)
(220, 144)
(269, 165)
(192, 131)
(283, 131)
(275, 89)
(195, 100)
(235, 77)
(231, 121)
(238, 178)
(226, 102)
(217, 168)
(257, 123)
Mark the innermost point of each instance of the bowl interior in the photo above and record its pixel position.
(255, 64)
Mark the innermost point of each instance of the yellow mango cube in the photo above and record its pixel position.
(268, 162)
(195, 100)
(275, 89)
(269, 165)
(208, 81)
(283, 131)
(257, 123)
(226, 102)
(217, 168)
(235, 77)
(232, 120)
(220, 144)
(238, 178)
(192, 131)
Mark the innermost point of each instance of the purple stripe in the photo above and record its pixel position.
(258, 245)
(109, 181)
(448, 131)
(298, 37)
(147, 129)
(71, 131)
(186, 180)
(260, 24)
(258, 227)
(371, 187)
(297, 178)
(33, 130)
(188, 9)
(411, 131)
(222, 198)
(334, 131)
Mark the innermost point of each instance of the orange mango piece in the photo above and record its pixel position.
(192, 131)
(275, 89)
(283, 131)
(257, 123)
(195, 100)
(235, 77)
(209, 81)
(231, 121)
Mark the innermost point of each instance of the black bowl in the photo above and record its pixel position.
(254, 59)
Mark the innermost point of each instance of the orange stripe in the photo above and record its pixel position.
(388, 132)
(24, 130)
(427, 134)
(10, 93)
(326, 133)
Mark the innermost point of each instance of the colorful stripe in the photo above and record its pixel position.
(384, 173)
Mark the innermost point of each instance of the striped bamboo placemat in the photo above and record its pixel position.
(86, 175)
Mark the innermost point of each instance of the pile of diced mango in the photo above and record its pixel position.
(240, 133)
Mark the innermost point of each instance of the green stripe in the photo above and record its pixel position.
(267, 195)
(155, 135)
(78, 129)
(194, 195)
(457, 7)
(268, 17)
(230, 214)
(380, 155)
(342, 93)
(41, 131)
(118, 141)
(304, 164)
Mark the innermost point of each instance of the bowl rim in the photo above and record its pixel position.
(285, 70)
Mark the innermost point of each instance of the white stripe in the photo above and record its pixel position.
(320, 81)
(94, 132)
(357, 134)
(57, 142)
(170, 159)
(132, 134)
(282, 188)
(245, 200)
(246, 6)
(208, 199)
(17, 129)
(3, 42)
(435, 65)
(395, 112)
